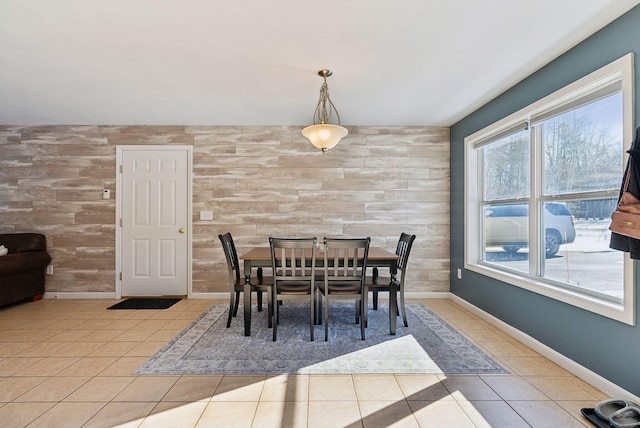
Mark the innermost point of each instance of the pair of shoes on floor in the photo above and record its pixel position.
(619, 413)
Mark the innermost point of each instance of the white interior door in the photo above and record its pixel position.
(154, 223)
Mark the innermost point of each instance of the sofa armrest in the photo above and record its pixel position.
(23, 242)
(23, 262)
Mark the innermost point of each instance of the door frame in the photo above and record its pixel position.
(120, 149)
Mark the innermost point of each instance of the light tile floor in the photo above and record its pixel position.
(69, 363)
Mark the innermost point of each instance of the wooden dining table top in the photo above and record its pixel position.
(264, 253)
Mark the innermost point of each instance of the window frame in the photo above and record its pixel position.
(590, 86)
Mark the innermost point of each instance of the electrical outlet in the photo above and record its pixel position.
(206, 215)
(459, 273)
(50, 270)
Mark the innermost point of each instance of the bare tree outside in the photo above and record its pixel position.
(580, 155)
(506, 172)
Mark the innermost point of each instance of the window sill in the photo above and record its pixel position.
(624, 313)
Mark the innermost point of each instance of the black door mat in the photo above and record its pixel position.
(160, 303)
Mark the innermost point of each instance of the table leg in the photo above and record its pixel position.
(393, 298)
(247, 305)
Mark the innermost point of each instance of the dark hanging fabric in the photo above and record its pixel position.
(621, 242)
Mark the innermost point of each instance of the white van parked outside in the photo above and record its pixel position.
(507, 226)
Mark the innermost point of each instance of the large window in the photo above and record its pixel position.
(540, 188)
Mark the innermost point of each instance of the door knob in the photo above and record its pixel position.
(181, 230)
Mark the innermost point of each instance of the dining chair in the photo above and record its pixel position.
(259, 284)
(294, 268)
(391, 283)
(345, 265)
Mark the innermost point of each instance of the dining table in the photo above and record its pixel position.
(260, 257)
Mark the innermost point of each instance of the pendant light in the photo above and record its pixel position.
(322, 134)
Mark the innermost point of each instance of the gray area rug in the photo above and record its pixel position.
(428, 345)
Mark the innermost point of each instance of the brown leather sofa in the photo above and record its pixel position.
(22, 270)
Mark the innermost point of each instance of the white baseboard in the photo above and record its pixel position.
(112, 295)
(82, 295)
(210, 296)
(566, 363)
(427, 295)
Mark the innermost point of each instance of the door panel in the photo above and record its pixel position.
(154, 222)
(142, 258)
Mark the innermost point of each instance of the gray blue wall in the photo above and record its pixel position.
(606, 347)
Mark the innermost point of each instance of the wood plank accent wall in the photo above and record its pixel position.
(258, 181)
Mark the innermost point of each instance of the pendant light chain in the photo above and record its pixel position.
(325, 107)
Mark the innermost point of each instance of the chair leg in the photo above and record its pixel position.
(404, 312)
(312, 320)
(231, 306)
(270, 309)
(363, 317)
(274, 324)
(318, 307)
(326, 317)
(375, 293)
(236, 304)
(365, 306)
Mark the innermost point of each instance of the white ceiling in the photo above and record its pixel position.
(254, 62)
